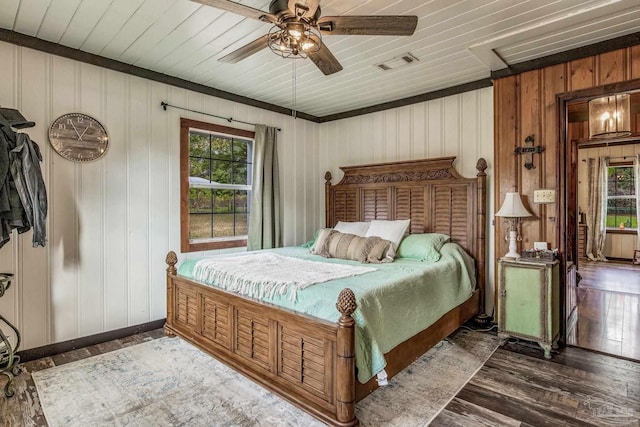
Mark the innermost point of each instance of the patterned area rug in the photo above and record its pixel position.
(168, 382)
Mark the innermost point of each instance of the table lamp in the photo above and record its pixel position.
(513, 211)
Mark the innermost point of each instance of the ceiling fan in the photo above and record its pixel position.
(298, 27)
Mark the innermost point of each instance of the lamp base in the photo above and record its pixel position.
(512, 245)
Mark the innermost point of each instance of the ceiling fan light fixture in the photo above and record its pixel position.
(294, 40)
(296, 29)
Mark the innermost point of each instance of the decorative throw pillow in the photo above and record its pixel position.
(422, 247)
(311, 243)
(357, 248)
(321, 238)
(389, 230)
(357, 228)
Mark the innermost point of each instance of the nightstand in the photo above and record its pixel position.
(528, 301)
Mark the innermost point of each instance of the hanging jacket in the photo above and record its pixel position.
(23, 197)
(24, 162)
(12, 213)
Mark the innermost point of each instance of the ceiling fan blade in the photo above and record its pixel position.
(240, 9)
(324, 59)
(377, 25)
(245, 51)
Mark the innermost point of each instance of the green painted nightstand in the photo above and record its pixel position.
(528, 301)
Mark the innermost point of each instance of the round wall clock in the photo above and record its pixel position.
(78, 137)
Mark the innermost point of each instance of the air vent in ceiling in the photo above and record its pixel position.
(397, 62)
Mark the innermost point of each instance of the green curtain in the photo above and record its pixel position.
(264, 217)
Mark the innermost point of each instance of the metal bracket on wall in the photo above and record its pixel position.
(528, 150)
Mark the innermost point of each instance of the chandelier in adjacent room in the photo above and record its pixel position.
(610, 116)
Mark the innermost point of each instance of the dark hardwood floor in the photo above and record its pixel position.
(577, 387)
(608, 313)
(516, 387)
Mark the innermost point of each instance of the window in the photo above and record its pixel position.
(215, 174)
(621, 197)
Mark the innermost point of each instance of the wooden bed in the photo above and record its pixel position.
(309, 361)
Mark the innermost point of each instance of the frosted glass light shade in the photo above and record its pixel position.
(610, 116)
(512, 207)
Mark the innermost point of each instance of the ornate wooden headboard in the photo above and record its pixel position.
(430, 192)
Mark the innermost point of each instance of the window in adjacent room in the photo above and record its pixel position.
(621, 197)
(215, 174)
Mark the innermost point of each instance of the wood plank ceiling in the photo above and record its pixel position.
(456, 42)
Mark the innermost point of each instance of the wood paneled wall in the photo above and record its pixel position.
(525, 104)
(112, 221)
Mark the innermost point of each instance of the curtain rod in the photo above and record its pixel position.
(229, 119)
(630, 156)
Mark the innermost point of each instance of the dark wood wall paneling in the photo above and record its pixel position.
(526, 104)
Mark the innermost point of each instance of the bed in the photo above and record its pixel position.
(308, 360)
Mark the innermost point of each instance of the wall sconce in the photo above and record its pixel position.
(609, 116)
(513, 211)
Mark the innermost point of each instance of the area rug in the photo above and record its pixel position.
(168, 382)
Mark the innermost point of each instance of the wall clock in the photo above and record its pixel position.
(78, 137)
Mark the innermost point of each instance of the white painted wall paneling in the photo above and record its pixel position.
(459, 125)
(112, 221)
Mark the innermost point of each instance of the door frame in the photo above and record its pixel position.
(568, 245)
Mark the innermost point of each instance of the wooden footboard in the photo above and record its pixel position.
(305, 360)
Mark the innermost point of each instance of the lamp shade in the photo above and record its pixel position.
(512, 207)
(609, 116)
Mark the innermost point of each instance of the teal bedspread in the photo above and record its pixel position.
(395, 302)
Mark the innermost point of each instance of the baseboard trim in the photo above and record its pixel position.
(62, 347)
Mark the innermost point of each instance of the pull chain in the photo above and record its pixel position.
(293, 89)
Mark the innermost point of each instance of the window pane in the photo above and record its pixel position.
(198, 144)
(621, 211)
(220, 148)
(240, 150)
(241, 201)
(242, 224)
(200, 200)
(221, 171)
(223, 225)
(200, 226)
(620, 181)
(240, 173)
(223, 201)
(199, 168)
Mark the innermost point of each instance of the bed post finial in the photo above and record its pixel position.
(346, 304)
(346, 365)
(481, 166)
(171, 260)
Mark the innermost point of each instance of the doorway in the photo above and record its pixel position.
(607, 297)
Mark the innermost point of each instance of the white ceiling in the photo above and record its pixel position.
(455, 42)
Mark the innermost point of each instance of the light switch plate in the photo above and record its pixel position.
(544, 196)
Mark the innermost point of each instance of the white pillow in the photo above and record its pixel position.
(357, 228)
(389, 230)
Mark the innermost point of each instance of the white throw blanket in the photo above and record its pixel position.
(265, 274)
